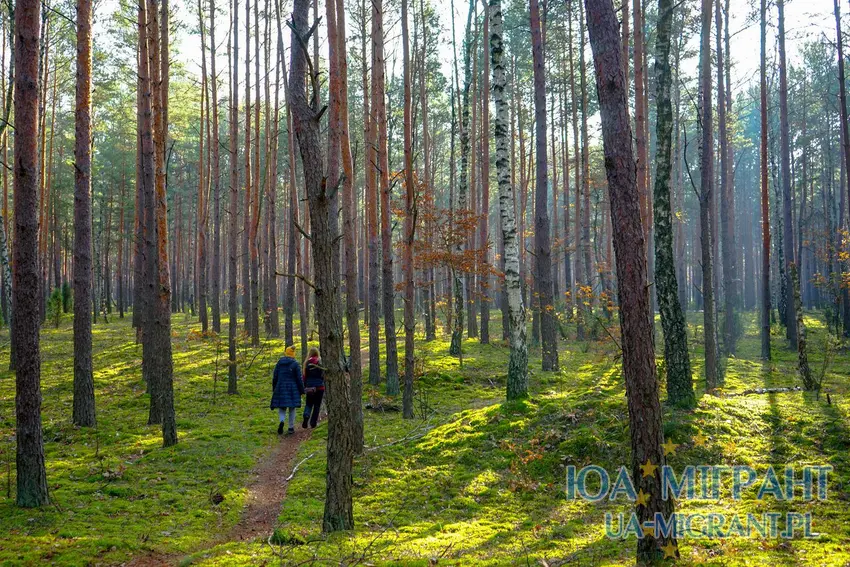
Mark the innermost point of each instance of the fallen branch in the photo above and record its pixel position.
(295, 468)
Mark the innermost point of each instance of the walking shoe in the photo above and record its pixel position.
(304, 423)
(280, 428)
(290, 431)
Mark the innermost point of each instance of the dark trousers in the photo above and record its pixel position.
(313, 404)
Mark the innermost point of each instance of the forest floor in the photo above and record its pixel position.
(472, 480)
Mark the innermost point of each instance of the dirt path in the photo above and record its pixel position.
(266, 492)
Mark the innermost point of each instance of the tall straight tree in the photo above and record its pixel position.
(305, 116)
(785, 160)
(372, 192)
(26, 299)
(233, 209)
(765, 205)
(463, 178)
(727, 189)
(517, 383)
(484, 220)
(680, 390)
(647, 434)
(379, 106)
(409, 220)
(157, 336)
(706, 153)
(84, 412)
(349, 219)
(215, 168)
(203, 208)
(542, 244)
(845, 134)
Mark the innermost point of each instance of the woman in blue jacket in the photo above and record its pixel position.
(287, 388)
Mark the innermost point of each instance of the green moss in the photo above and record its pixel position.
(476, 482)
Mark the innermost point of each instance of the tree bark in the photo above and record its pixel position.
(26, 299)
(84, 409)
(306, 115)
(542, 244)
(645, 414)
(785, 157)
(409, 222)
(680, 390)
(517, 382)
(706, 153)
(233, 209)
(765, 206)
(215, 166)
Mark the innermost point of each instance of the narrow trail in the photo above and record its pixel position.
(266, 493)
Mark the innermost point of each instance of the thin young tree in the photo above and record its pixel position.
(215, 167)
(647, 434)
(706, 154)
(542, 244)
(379, 105)
(232, 387)
(517, 382)
(26, 298)
(84, 409)
(765, 204)
(203, 208)
(349, 219)
(785, 161)
(484, 213)
(306, 115)
(680, 390)
(409, 222)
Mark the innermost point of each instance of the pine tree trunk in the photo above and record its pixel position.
(233, 209)
(639, 370)
(202, 185)
(31, 472)
(845, 146)
(765, 207)
(372, 196)
(785, 157)
(484, 221)
(215, 273)
(84, 410)
(706, 153)
(680, 389)
(409, 221)
(306, 115)
(542, 244)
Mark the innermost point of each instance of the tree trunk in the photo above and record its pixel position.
(202, 185)
(706, 153)
(680, 390)
(215, 166)
(409, 222)
(306, 115)
(233, 209)
(379, 107)
(84, 411)
(639, 370)
(845, 142)
(31, 473)
(765, 206)
(517, 382)
(542, 244)
(349, 216)
(484, 221)
(455, 348)
(785, 156)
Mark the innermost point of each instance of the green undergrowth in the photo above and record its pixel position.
(471, 480)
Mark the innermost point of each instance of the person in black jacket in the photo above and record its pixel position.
(314, 386)
(287, 388)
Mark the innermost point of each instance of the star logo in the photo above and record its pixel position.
(670, 550)
(642, 498)
(648, 469)
(700, 439)
(669, 447)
